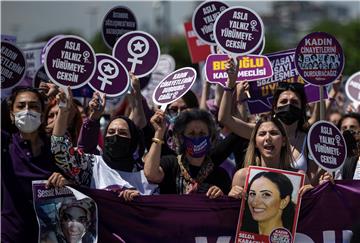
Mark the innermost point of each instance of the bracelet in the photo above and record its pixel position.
(229, 89)
(158, 141)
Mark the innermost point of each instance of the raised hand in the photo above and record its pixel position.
(97, 105)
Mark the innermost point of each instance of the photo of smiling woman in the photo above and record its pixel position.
(272, 201)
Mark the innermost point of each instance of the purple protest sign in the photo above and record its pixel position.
(70, 61)
(204, 18)
(111, 77)
(319, 58)
(352, 87)
(238, 30)
(138, 51)
(251, 67)
(326, 145)
(13, 65)
(118, 21)
(260, 49)
(283, 65)
(174, 86)
(44, 49)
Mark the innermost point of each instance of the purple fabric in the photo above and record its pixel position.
(174, 218)
(18, 169)
(88, 137)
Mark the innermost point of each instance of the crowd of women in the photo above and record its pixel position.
(188, 148)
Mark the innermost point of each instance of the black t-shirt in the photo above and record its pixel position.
(219, 177)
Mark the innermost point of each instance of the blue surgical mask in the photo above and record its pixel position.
(197, 147)
(170, 118)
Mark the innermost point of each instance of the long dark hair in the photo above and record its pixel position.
(285, 187)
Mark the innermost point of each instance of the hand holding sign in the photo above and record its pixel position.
(97, 105)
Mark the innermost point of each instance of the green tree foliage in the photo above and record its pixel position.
(348, 34)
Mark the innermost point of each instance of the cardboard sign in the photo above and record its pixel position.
(118, 21)
(204, 18)
(138, 51)
(13, 65)
(352, 87)
(263, 185)
(238, 30)
(319, 58)
(46, 47)
(283, 66)
(70, 61)
(174, 86)
(251, 67)
(64, 214)
(111, 76)
(198, 49)
(327, 145)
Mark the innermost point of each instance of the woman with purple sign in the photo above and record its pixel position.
(193, 170)
(289, 106)
(25, 156)
(115, 169)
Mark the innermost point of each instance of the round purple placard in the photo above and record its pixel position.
(70, 61)
(260, 49)
(118, 21)
(352, 87)
(238, 30)
(138, 51)
(319, 58)
(204, 18)
(111, 77)
(43, 51)
(40, 76)
(280, 235)
(174, 86)
(13, 65)
(327, 145)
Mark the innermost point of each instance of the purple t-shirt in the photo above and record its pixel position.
(18, 168)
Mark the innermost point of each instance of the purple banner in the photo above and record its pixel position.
(118, 21)
(327, 215)
(204, 18)
(352, 87)
(174, 86)
(111, 77)
(13, 65)
(326, 145)
(251, 67)
(70, 61)
(138, 51)
(284, 69)
(319, 58)
(238, 30)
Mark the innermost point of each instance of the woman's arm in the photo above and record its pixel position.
(137, 114)
(152, 169)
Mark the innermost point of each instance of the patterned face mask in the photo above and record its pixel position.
(197, 147)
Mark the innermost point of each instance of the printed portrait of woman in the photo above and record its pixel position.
(269, 204)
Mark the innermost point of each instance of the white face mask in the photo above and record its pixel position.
(27, 121)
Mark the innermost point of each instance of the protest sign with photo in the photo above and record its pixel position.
(13, 65)
(270, 211)
(138, 51)
(198, 49)
(319, 58)
(70, 61)
(64, 214)
(352, 87)
(174, 86)
(111, 77)
(251, 67)
(327, 145)
(238, 31)
(118, 21)
(283, 66)
(204, 18)
(32, 52)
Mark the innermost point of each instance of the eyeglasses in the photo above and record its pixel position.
(290, 86)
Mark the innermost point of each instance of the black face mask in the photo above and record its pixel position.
(288, 114)
(117, 153)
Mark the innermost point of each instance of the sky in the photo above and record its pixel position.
(31, 19)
